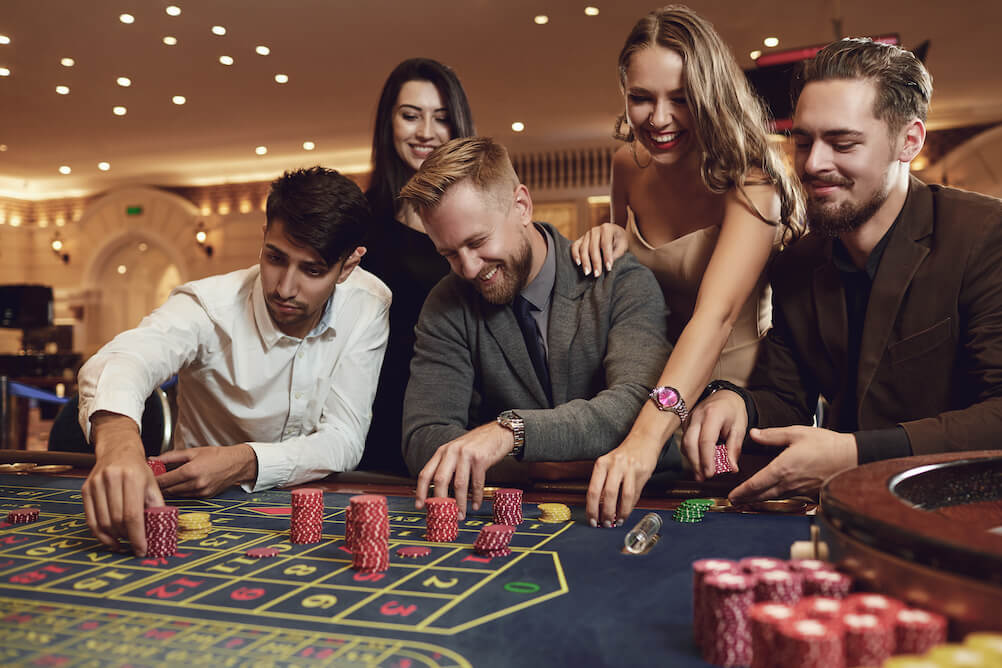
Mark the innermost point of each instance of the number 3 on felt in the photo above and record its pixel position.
(394, 608)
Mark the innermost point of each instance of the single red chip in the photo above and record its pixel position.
(261, 552)
(413, 551)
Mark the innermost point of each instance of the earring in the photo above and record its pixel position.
(619, 133)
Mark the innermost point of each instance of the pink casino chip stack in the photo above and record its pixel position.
(307, 523)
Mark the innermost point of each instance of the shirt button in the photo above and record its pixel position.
(300, 355)
(299, 395)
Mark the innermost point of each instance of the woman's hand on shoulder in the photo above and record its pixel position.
(600, 246)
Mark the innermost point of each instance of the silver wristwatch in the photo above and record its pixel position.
(513, 423)
(669, 399)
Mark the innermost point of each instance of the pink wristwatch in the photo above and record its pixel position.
(668, 399)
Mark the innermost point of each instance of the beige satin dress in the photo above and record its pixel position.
(679, 266)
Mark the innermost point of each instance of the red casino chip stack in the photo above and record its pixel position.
(820, 607)
(916, 631)
(755, 565)
(371, 533)
(869, 639)
(493, 539)
(727, 599)
(882, 606)
(22, 516)
(442, 521)
(720, 463)
(702, 569)
(764, 619)
(307, 523)
(827, 583)
(157, 466)
(809, 643)
(508, 507)
(779, 587)
(161, 531)
(808, 565)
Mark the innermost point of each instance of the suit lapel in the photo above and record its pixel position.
(833, 323)
(565, 313)
(902, 258)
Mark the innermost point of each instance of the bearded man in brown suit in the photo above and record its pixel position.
(891, 308)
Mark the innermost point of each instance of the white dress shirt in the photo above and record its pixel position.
(303, 405)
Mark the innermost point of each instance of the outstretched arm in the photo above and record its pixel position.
(739, 258)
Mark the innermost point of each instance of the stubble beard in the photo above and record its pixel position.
(836, 220)
(514, 272)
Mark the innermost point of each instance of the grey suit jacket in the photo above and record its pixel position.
(606, 344)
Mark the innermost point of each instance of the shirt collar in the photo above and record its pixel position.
(270, 334)
(538, 292)
(842, 261)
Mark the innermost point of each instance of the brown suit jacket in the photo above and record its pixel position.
(931, 352)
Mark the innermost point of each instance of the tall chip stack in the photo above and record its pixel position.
(22, 516)
(370, 533)
(161, 531)
(508, 507)
(442, 521)
(726, 634)
(307, 523)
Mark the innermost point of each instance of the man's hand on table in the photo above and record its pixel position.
(619, 476)
(205, 472)
(811, 456)
(463, 463)
(120, 485)
(720, 417)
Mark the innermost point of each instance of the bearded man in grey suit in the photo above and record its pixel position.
(519, 357)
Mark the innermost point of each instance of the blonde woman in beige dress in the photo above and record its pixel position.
(700, 196)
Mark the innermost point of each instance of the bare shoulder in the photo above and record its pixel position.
(760, 199)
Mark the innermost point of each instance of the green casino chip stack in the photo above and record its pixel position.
(692, 510)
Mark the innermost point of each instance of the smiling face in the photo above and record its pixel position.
(420, 122)
(486, 241)
(296, 281)
(846, 157)
(656, 104)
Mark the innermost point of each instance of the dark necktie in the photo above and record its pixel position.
(533, 342)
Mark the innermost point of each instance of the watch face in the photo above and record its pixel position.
(667, 396)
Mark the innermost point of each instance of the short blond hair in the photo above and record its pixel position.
(481, 160)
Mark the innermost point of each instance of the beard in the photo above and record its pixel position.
(514, 273)
(833, 220)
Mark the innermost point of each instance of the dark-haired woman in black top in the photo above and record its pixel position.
(422, 106)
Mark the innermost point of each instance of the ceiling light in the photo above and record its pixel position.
(178, 99)
(65, 169)
(57, 245)
(124, 82)
(122, 269)
(170, 40)
(771, 41)
(173, 10)
(201, 236)
(261, 150)
(518, 126)
(127, 18)
(542, 19)
(104, 166)
(218, 30)
(119, 111)
(262, 50)
(4, 39)
(143, 247)
(67, 62)
(3, 147)
(226, 60)
(591, 11)
(4, 72)
(755, 54)
(309, 146)
(282, 78)
(63, 90)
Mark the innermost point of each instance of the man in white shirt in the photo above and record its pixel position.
(278, 362)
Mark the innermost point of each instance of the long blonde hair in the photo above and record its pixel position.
(730, 120)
